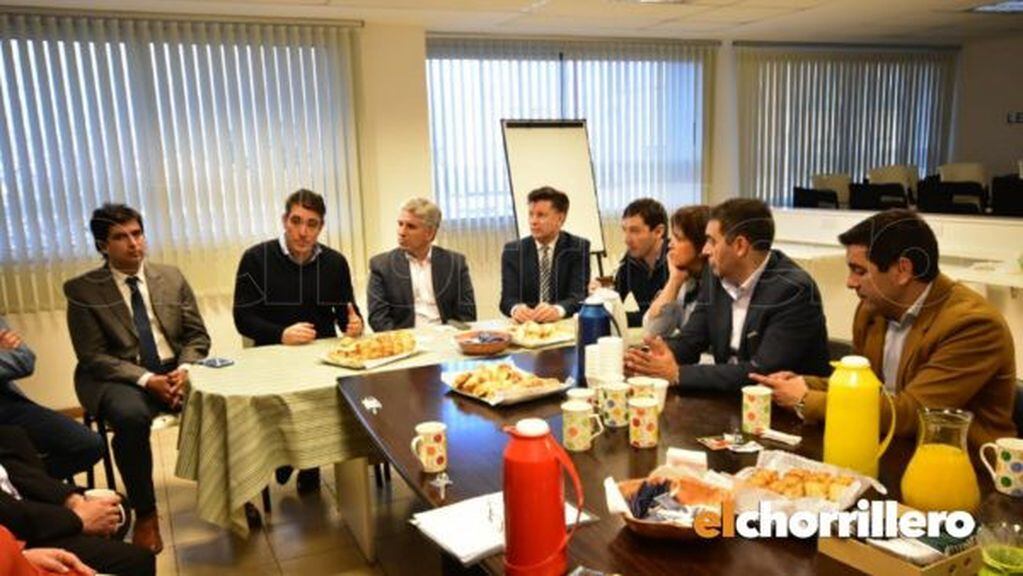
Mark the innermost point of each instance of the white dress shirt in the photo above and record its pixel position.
(284, 248)
(421, 273)
(163, 347)
(741, 296)
(6, 485)
(895, 341)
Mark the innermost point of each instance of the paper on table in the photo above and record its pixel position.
(790, 439)
(693, 459)
(473, 529)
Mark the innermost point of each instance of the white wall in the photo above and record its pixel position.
(393, 123)
(725, 168)
(991, 87)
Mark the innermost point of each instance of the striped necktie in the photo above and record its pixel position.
(545, 274)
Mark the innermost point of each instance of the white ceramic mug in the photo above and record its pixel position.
(644, 429)
(614, 408)
(756, 409)
(1007, 473)
(588, 395)
(431, 446)
(641, 387)
(577, 418)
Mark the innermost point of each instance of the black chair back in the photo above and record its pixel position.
(877, 196)
(1007, 195)
(813, 198)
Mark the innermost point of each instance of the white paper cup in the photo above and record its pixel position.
(593, 365)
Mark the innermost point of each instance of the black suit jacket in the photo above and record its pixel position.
(784, 330)
(520, 273)
(389, 294)
(40, 515)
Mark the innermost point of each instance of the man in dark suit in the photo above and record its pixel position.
(135, 327)
(44, 512)
(544, 275)
(418, 283)
(69, 447)
(757, 310)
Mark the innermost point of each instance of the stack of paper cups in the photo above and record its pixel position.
(611, 358)
(593, 365)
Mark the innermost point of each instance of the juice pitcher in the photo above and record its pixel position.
(853, 422)
(940, 477)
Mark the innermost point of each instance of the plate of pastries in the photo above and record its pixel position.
(502, 383)
(534, 335)
(797, 483)
(372, 350)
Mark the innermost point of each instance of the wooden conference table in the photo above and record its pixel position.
(476, 444)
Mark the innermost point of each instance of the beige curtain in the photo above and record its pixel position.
(806, 110)
(203, 126)
(648, 107)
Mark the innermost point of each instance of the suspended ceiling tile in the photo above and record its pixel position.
(613, 9)
(740, 15)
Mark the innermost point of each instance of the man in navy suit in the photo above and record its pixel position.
(757, 310)
(544, 275)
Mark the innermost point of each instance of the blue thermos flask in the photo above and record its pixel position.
(594, 322)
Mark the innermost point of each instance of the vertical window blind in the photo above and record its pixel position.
(809, 110)
(204, 127)
(648, 109)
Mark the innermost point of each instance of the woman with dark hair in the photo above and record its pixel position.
(675, 302)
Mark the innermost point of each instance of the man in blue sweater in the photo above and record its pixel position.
(292, 290)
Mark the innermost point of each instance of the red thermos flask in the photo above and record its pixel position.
(536, 542)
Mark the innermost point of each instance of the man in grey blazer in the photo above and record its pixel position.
(417, 283)
(135, 327)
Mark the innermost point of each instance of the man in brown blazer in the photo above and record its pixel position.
(135, 327)
(933, 342)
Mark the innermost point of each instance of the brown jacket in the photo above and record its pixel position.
(958, 354)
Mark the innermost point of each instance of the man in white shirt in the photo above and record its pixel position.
(756, 308)
(418, 283)
(135, 327)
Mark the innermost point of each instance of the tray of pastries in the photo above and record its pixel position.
(533, 335)
(502, 383)
(796, 483)
(371, 351)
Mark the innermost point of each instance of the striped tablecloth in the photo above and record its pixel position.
(276, 405)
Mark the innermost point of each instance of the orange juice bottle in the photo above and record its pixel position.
(853, 421)
(940, 477)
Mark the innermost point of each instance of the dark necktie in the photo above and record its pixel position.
(545, 274)
(147, 342)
